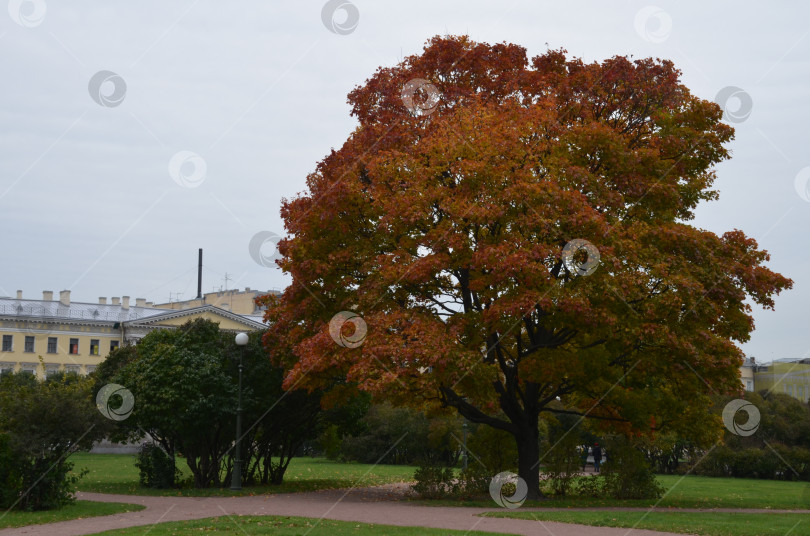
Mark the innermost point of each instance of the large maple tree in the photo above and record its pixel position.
(443, 220)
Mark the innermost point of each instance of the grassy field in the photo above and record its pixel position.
(74, 511)
(705, 524)
(116, 473)
(111, 473)
(283, 526)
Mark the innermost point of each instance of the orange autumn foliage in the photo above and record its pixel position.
(443, 227)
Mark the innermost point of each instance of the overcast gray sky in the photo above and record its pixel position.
(212, 112)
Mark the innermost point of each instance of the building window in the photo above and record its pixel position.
(93, 346)
(29, 368)
(52, 345)
(51, 370)
(74, 346)
(6, 368)
(89, 368)
(29, 344)
(7, 343)
(114, 345)
(72, 368)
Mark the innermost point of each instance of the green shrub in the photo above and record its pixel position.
(495, 449)
(10, 478)
(41, 424)
(473, 481)
(49, 483)
(386, 425)
(434, 481)
(330, 442)
(156, 469)
(561, 463)
(777, 462)
(627, 474)
(589, 486)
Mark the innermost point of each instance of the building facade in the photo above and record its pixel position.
(45, 336)
(747, 373)
(788, 376)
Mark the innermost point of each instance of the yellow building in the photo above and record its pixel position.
(747, 373)
(239, 302)
(46, 336)
(788, 376)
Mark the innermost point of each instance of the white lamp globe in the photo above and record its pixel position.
(241, 339)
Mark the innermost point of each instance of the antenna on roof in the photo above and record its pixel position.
(199, 277)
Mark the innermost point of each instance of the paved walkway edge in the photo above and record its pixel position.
(342, 505)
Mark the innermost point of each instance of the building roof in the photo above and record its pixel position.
(166, 314)
(45, 310)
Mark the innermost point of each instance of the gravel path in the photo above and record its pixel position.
(379, 505)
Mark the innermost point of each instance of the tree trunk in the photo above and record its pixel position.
(528, 446)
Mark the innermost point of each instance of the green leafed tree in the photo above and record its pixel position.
(184, 382)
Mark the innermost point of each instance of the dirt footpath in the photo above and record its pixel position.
(381, 505)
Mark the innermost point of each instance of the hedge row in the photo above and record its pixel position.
(774, 462)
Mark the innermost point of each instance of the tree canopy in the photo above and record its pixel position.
(443, 222)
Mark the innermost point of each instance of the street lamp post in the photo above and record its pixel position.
(464, 453)
(236, 479)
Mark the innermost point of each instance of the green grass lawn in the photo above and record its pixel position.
(690, 492)
(116, 473)
(283, 526)
(705, 524)
(73, 511)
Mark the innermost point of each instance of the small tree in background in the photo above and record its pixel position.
(185, 386)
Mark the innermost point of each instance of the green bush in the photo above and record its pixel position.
(473, 481)
(10, 478)
(590, 486)
(434, 481)
(494, 449)
(627, 474)
(415, 436)
(156, 469)
(41, 424)
(775, 462)
(330, 442)
(49, 483)
(561, 464)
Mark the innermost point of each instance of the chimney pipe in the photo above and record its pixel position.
(64, 297)
(140, 302)
(124, 302)
(116, 301)
(199, 277)
(47, 295)
(102, 300)
(19, 294)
